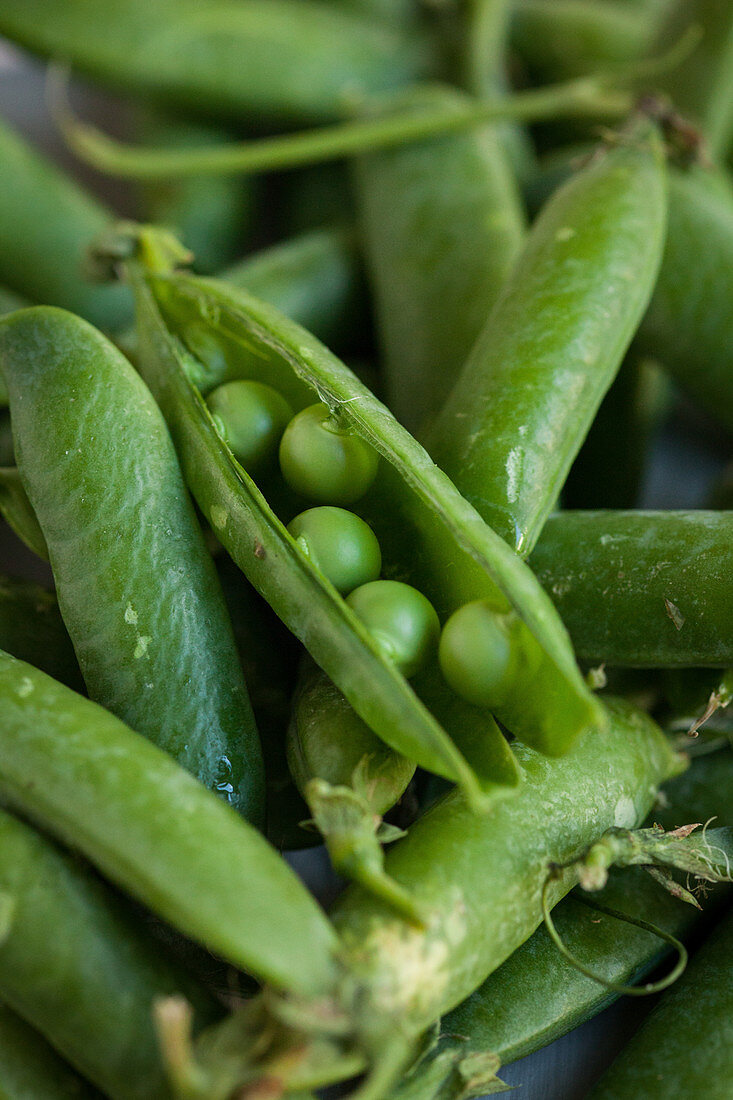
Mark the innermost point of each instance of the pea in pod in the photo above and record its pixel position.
(136, 586)
(428, 533)
(156, 832)
(442, 224)
(642, 589)
(30, 1068)
(554, 341)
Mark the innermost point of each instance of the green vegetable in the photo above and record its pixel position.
(32, 629)
(478, 655)
(401, 620)
(17, 511)
(251, 418)
(322, 460)
(30, 1068)
(340, 544)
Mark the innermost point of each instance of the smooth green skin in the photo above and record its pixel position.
(477, 656)
(31, 1070)
(32, 629)
(611, 573)
(439, 544)
(340, 544)
(17, 511)
(702, 87)
(157, 833)
(77, 966)
(322, 460)
(9, 302)
(46, 222)
(684, 1047)
(269, 61)
(401, 620)
(480, 878)
(136, 586)
(538, 372)
(210, 214)
(252, 418)
(327, 740)
(442, 223)
(562, 39)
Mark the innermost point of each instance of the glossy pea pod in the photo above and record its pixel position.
(642, 589)
(479, 879)
(136, 586)
(77, 966)
(32, 629)
(157, 833)
(30, 1068)
(684, 1047)
(411, 504)
(441, 223)
(536, 996)
(274, 61)
(530, 389)
(46, 222)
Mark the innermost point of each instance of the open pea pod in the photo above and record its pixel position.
(193, 333)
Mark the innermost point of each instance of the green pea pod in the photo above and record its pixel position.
(684, 1048)
(554, 341)
(32, 629)
(274, 60)
(559, 39)
(46, 222)
(136, 586)
(642, 589)
(442, 224)
(76, 965)
(152, 829)
(31, 1069)
(7, 451)
(458, 556)
(209, 213)
(17, 511)
(702, 88)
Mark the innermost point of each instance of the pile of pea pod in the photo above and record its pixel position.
(331, 468)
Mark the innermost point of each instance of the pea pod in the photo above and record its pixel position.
(32, 629)
(46, 223)
(279, 60)
(642, 589)
(17, 511)
(441, 223)
(136, 586)
(152, 829)
(30, 1068)
(533, 382)
(216, 323)
(656, 1063)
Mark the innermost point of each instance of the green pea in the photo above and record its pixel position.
(476, 653)
(401, 620)
(251, 417)
(324, 461)
(341, 545)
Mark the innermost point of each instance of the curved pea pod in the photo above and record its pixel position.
(263, 60)
(32, 629)
(46, 222)
(136, 586)
(75, 964)
(684, 1048)
(441, 223)
(642, 589)
(156, 832)
(209, 213)
(350, 779)
(17, 511)
(434, 538)
(30, 1068)
(551, 347)
(702, 87)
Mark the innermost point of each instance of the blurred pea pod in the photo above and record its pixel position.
(441, 225)
(46, 222)
(268, 61)
(642, 589)
(148, 620)
(210, 214)
(76, 965)
(529, 391)
(30, 1069)
(32, 629)
(17, 511)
